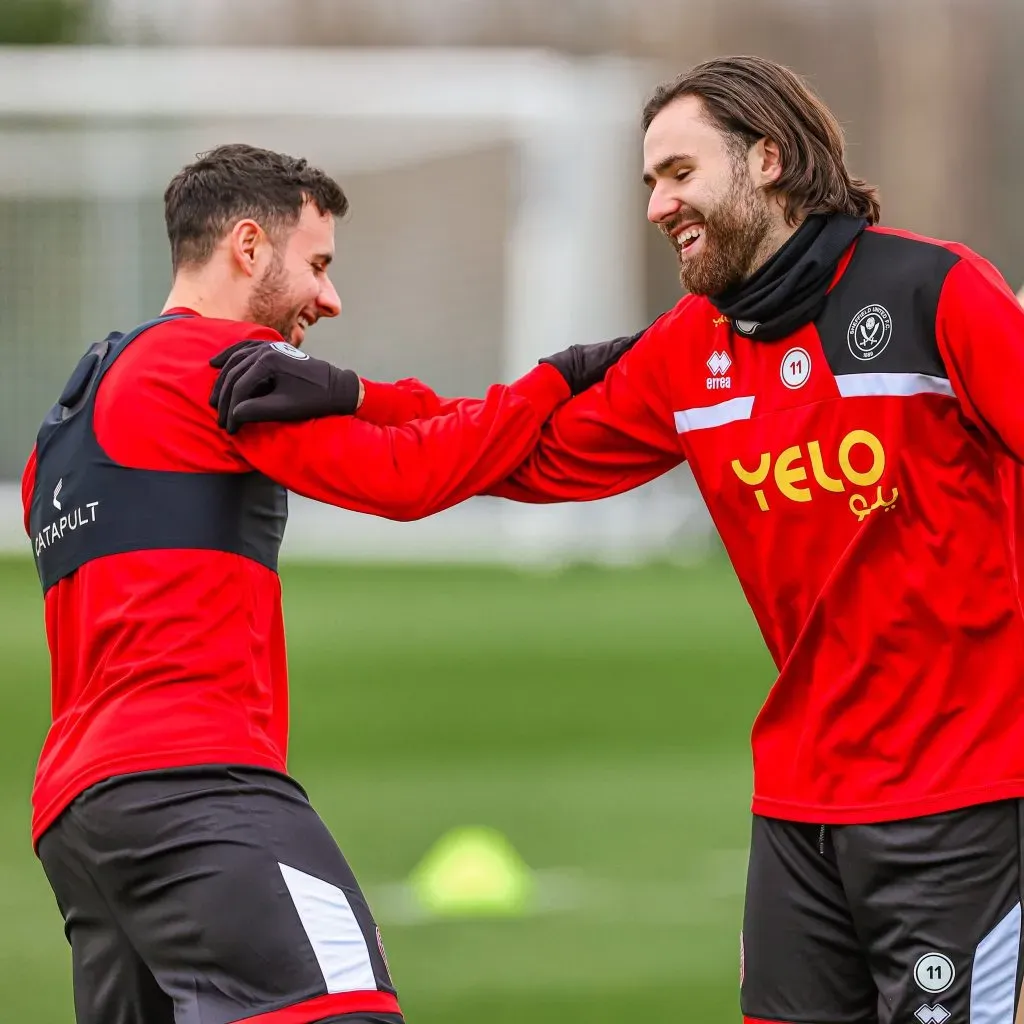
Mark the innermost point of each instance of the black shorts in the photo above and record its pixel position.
(212, 895)
(907, 922)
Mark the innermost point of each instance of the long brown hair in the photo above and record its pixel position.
(751, 98)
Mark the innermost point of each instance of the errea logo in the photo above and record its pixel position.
(718, 364)
(932, 1014)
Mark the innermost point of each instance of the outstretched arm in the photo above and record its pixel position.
(410, 471)
(267, 394)
(583, 366)
(613, 437)
(260, 382)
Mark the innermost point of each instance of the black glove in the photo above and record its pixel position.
(261, 381)
(583, 366)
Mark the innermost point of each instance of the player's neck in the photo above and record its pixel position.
(204, 294)
(782, 231)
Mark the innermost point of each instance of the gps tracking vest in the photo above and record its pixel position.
(87, 506)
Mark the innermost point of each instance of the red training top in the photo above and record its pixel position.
(865, 477)
(162, 658)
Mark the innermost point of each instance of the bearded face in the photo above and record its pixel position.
(710, 195)
(296, 290)
(719, 245)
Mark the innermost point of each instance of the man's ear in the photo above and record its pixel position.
(766, 161)
(246, 242)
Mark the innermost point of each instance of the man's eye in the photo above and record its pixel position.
(682, 175)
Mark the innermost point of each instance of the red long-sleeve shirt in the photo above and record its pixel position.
(169, 658)
(865, 477)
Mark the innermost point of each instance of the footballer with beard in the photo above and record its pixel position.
(847, 398)
(195, 879)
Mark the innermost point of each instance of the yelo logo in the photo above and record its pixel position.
(790, 470)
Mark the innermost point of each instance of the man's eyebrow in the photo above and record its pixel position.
(663, 165)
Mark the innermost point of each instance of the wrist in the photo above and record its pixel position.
(345, 389)
(544, 387)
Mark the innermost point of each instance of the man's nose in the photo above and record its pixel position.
(328, 303)
(662, 205)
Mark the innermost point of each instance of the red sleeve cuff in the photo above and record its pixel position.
(385, 403)
(543, 387)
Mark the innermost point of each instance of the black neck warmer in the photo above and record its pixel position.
(789, 290)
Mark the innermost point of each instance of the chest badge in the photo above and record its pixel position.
(869, 332)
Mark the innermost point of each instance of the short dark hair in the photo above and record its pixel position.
(751, 98)
(232, 182)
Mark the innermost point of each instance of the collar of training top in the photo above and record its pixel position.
(790, 289)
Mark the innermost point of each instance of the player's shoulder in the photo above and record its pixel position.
(152, 406)
(674, 350)
(193, 333)
(175, 354)
(691, 313)
(906, 254)
(689, 309)
(907, 257)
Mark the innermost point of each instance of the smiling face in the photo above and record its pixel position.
(293, 291)
(708, 197)
(252, 235)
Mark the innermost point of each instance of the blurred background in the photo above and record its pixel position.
(581, 679)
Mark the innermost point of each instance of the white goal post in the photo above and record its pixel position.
(107, 123)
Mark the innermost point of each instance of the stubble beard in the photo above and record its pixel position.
(269, 303)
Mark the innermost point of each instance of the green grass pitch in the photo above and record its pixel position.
(599, 718)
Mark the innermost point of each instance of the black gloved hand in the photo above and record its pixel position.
(583, 366)
(260, 381)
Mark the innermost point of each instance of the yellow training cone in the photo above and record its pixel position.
(472, 872)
